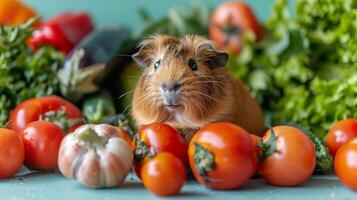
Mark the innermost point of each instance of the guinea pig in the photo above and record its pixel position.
(185, 84)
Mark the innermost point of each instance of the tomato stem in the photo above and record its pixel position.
(121, 121)
(141, 150)
(204, 161)
(60, 118)
(268, 147)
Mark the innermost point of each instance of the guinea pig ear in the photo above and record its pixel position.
(141, 57)
(217, 58)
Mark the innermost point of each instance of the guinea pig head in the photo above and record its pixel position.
(181, 76)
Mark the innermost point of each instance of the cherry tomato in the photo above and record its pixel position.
(42, 140)
(12, 153)
(164, 175)
(229, 22)
(340, 133)
(155, 138)
(256, 142)
(123, 134)
(346, 164)
(222, 156)
(34, 108)
(292, 160)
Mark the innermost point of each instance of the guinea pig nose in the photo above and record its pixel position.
(174, 87)
(164, 87)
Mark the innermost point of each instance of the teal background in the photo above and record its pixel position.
(126, 12)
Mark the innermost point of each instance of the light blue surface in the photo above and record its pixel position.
(53, 186)
(126, 12)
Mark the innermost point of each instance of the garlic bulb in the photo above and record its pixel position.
(96, 156)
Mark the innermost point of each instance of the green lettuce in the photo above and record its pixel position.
(304, 70)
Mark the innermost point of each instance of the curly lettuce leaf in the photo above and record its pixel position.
(302, 71)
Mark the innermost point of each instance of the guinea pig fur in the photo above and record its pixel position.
(186, 85)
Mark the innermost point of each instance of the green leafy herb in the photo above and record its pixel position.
(192, 20)
(23, 72)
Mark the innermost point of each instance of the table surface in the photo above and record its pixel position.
(48, 186)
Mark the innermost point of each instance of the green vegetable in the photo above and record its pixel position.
(24, 73)
(76, 81)
(324, 159)
(191, 20)
(98, 108)
(304, 70)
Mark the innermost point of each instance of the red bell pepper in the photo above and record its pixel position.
(63, 31)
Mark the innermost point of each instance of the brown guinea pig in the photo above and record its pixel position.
(186, 85)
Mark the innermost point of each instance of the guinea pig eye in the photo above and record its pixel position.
(157, 64)
(192, 64)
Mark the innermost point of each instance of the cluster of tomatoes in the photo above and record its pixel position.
(33, 138)
(221, 156)
(160, 158)
(342, 144)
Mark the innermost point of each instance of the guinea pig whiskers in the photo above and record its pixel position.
(225, 90)
(217, 84)
(213, 77)
(203, 94)
(129, 76)
(195, 108)
(126, 108)
(126, 93)
(150, 98)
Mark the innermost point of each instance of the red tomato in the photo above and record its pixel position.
(229, 22)
(12, 153)
(256, 142)
(164, 175)
(124, 135)
(156, 138)
(222, 156)
(32, 109)
(346, 164)
(42, 140)
(340, 133)
(292, 161)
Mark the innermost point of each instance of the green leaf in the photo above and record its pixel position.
(144, 14)
(178, 21)
(98, 107)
